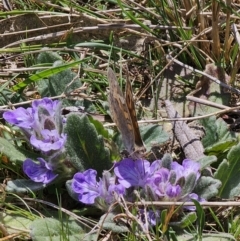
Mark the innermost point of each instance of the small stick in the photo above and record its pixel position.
(207, 75)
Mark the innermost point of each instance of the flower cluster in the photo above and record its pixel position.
(171, 182)
(42, 126)
(159, 181)
(88, 189)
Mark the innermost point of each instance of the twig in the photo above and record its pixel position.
(183, 118)
(130, 27)
(203, 204)
(124, 205)
(83, 221)
(207, 75)
(4, 107)
(207, 102)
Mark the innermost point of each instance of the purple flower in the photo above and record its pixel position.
(46, 114)
(50, 140)
(41, 124)
(39, 172)
(187, 167)
(161, 186)
(108, 187)
(88, 189)
(191, 167)
(155, 166)
(173, 191)
(47, 104)
(196, 197)
(20, 117)
(153, 217)
(86, 186)
(132, 173)
(189, 199)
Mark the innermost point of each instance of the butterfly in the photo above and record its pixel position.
(123, 113)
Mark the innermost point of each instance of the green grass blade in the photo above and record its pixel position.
(45, 73)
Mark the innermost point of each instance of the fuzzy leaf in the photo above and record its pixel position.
(207, 187)
(190, 182)
(23, 186)
(167, 161)
(220, 147)
(186, 221)
(55, 84)
(99, 127)
(58, 83)
(84, 146)
(48, 57)
(15, 154)
(218, 138)
(108, 223)
(44, 74)
(54, 230)
(206, 161)
(200, 216)
(7, 96)
(151, 135)
(72, 194)
(228, 174)
(15, 222)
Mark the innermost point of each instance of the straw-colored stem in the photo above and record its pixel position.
(215, 30)
(227, 33)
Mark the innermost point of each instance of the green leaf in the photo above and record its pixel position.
(207, 187)
(167, 161)
(164, 216)
(54, 230)
(200, 217)
(7, 96)
(24, 186)
(228, 174)
(99, 127)
(48, 56)
(186, 221)
(108, 223)
(60, 82)
(14, 153)
(45, 74)
(218, 138)
(190, 182)
(220, 147)
(84, 146)
(206, 161)
(15, 223)
(72, 194)
(153, 134)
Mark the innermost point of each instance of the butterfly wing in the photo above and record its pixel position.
(120, 113)
(131, 107)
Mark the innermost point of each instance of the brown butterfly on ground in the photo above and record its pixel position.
(124, 115)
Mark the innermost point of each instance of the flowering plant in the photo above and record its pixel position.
(71, 147)
(56, 142)
(158, 181)
(42, 126)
